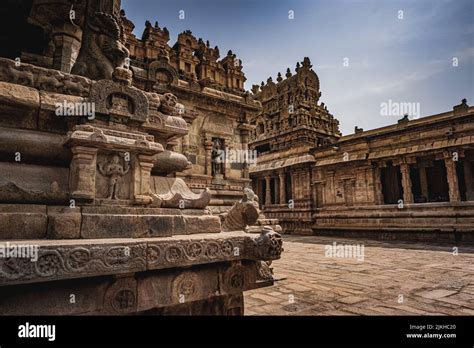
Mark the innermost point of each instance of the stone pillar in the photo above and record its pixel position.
(208, 148)
(83, 172)
(244, 137)
(454, 195)
(292, 174)
(468, 180)
(268, 196)
(141, 179)
(297, 189)
(378, 193)
(406, 183)
(276, 190)
(281, 176)
(67, 46)
(424, 183)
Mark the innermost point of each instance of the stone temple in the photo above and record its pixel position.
(412, 180)
(112, 181)
(110, 200)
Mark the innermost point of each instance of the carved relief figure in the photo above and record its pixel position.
(218, 158)
(101, 51)
(114, 170)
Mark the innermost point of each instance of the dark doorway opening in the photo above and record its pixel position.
(391, 178)
(437, 182)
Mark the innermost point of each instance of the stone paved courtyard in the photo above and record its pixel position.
(427, 279)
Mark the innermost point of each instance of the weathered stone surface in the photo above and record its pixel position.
(67, 259)
(69, 297)
(64, 222)
(134, 225)
(35, 147)
(19, 106)
(243, 213)
(24, 183)
(22, 221)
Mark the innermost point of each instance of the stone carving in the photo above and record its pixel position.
(168, 103)
(101, 51)
(112, 98)
(185, 287)
(174, 193)
(233, 279)
(50, 80)
(113, 169)
(69, 262)
(268, 245)
(49, 264)
(265, 272)
(227, 248)
(78, 258)
(173, 254)
(44, 79)
(218, 159)
(243, 213)
(121, 296)
(123, 300)
(212, 250)
(194, 250)
(170, 162)
(103, 194)
(153, 254)
(100, 259)
(162, 73)
(19, 76)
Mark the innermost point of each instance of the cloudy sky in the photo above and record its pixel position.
(404, 51)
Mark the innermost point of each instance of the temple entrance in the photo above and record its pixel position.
(391, 184)
(438, 190)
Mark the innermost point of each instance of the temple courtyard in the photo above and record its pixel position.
(315, 276)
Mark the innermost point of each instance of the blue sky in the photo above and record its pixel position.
(403, 60)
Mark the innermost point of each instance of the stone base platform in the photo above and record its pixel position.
(127, 276)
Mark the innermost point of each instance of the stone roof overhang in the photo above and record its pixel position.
(387, 153)
(278, 164)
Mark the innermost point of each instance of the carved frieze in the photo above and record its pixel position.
(43, 79)
(116, 99)
(65, 261)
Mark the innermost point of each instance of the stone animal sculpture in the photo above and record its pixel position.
(243, 213)
(20, 76)
(101, 51)
(50, 80)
